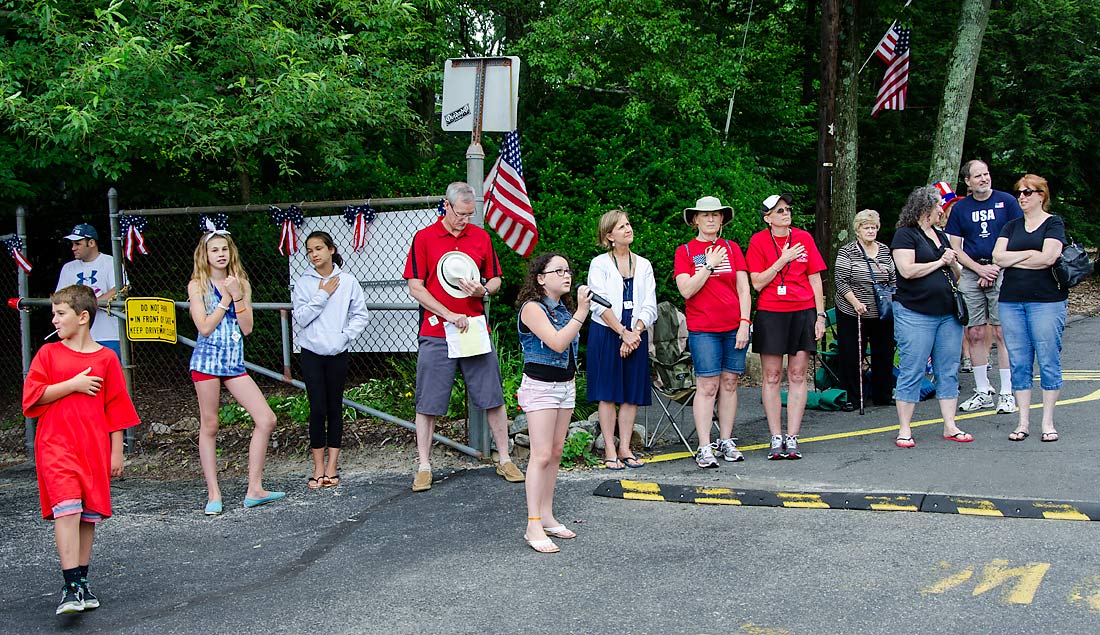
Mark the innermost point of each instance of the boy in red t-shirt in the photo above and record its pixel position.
(76, 389)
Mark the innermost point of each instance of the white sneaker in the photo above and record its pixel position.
(977, 402)
(728, 449)
(1007, 404)
(704, 458)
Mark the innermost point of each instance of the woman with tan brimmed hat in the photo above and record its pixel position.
(785, 267)
(711, 275)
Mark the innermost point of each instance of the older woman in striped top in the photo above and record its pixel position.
(859, 265)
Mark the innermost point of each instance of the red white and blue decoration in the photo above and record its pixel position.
(290, 219)
(439, 209)
(14, 245)
(948, 197)
(133, 228)
(358, 217)
(507, 207)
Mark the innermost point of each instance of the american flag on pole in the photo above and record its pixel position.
(894, 50)
(507, 208)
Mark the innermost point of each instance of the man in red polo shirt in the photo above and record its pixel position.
(435, 371)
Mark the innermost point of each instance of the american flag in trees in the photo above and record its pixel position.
(507, 207)
(894, 50)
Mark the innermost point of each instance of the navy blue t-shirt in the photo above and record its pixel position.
(979, 223)
(1032, 285)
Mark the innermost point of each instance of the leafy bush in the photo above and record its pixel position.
(578, 450)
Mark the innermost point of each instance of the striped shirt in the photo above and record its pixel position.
(853, 273)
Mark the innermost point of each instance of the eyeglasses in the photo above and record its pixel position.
(561, 272)
(1027, 191)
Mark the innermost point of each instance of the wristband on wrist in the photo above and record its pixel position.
(238, 299)
(581, 322)
(746, 320)
(223, 307)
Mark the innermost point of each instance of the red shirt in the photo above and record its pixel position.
(72, 445)
(763, 252)
(715, 308)
(428, 245)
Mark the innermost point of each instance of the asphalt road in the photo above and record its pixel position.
(372, 557)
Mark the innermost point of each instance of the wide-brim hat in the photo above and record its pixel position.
(452, 266)
(708, 204)
(769, 203)
(948, 197)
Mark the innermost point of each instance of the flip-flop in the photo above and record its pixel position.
(560, 532)
(613, 464)
(315, 482)
(905, 442)
(331, 481)
(1049, 437)
(636, 463)
(960, 437)
(1018, 435)
(542, 546)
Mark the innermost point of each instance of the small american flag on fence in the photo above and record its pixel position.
(507, 207)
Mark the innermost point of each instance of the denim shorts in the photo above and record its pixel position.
(546, 395)
(715, 353)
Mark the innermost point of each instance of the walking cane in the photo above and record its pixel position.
(859, 359)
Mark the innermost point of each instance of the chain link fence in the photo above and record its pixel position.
(382, 368)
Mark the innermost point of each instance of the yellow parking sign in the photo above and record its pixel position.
(151, 319)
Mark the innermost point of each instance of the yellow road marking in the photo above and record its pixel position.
(641, 490)
(1027, 578)
(794, 499)
(1087, 593)
(976, 507)
(1092, 396)
(892, 503)
(1060, 511)
(948, 583)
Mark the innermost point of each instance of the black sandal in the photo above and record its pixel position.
(330, 481)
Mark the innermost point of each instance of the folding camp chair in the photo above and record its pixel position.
(672, 370)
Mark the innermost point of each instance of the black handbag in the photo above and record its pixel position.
(1073, 266)
(962, 314)
(884, 294)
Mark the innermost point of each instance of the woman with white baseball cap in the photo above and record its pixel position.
(785, 267)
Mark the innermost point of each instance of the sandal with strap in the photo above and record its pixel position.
(542, 546)
(331, 481)
(316, 482)
(1018, 435)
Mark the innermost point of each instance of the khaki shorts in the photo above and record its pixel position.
(981, 302)
(435, 377)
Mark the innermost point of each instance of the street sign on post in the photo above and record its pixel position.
(479, 93)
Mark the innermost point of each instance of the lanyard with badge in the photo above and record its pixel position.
(781, 290)
(627, 304)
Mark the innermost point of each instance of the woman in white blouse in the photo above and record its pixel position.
(618, 345)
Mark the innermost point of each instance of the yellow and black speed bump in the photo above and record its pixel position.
(934, 503)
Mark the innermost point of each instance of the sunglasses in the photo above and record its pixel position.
(1027, 191)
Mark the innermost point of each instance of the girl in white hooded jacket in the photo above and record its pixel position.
(329, 308)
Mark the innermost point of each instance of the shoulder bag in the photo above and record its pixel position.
(884, 294)
(1073, 266)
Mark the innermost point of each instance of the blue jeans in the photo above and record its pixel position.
(713, 353)
(1033, 333)
(920, 336)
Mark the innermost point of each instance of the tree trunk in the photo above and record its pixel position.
(955, 107)
(839, 229)
(826, 141)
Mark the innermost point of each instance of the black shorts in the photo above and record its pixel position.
(786, 333)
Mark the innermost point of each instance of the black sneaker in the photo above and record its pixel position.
(90, 600)
(72, 599)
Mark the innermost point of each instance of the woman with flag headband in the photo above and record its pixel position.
(712, 276)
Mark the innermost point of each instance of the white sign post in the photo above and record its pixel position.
(479, 93)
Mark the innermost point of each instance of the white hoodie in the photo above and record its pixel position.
(329, 323)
